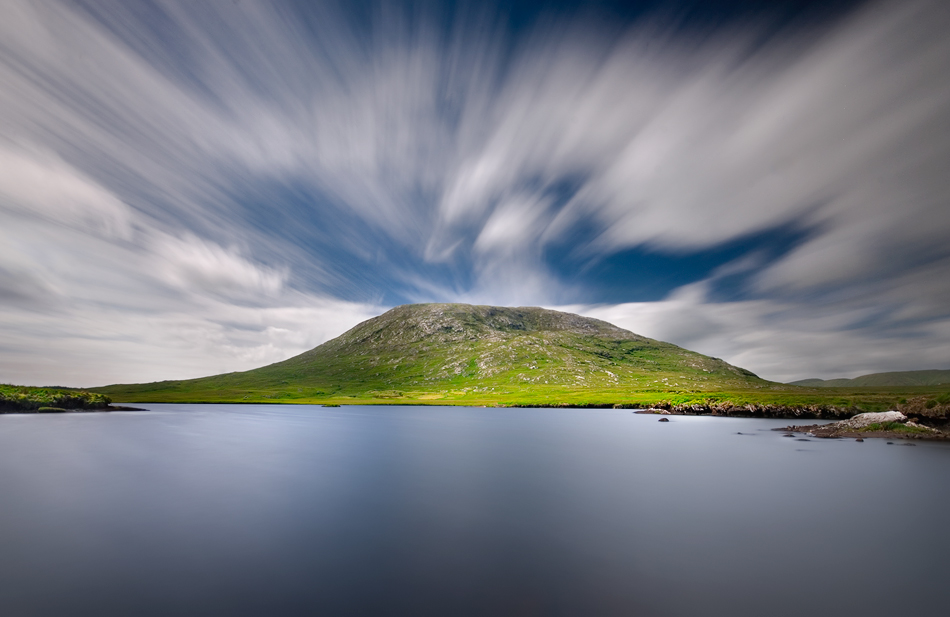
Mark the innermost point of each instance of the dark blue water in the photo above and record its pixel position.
(280, 510)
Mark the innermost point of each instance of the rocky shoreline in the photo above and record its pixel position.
(882, 425)
(879, 425)
(740, 410)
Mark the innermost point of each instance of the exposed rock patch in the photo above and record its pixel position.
(863, 420)
(886, 424)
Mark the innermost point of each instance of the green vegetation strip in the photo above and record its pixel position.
(895, 427)
(825, 403)
(29, 399)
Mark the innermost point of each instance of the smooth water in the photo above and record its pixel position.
(285, 510)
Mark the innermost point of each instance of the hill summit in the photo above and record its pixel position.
(426, 351)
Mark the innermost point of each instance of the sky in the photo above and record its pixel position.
(194, 188)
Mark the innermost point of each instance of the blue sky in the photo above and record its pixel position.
(193, 188)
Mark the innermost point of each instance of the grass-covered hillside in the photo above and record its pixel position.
(29, 399)
(483, 355)
(899, 378)
(428, 351)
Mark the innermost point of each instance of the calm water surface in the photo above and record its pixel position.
(280, 510)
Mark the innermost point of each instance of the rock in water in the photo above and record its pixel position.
(664, 419)
(866, 419)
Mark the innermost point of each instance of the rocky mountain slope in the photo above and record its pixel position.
(432, 348)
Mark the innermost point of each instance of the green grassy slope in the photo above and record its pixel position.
(426, 351)
(900, 378)
(481, 355)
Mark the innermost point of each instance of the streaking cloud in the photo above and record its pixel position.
(203, 187)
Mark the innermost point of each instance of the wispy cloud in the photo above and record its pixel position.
(784, 340)
(161, 162)
(92, 292)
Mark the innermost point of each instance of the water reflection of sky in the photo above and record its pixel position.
(294, 510)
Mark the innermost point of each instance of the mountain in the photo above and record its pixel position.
(900, 378)
(423, 351)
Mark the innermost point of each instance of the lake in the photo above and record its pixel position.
(303, 510)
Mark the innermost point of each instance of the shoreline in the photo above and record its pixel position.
(839, 429)
(880, 425)
(830, 431)
(55, 410)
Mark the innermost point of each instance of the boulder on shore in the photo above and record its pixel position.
(889, 424)
(866, 419)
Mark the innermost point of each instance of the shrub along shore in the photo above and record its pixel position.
(25, 399)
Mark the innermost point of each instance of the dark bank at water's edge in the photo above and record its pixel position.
(26, 399)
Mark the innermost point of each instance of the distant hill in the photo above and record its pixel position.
(900, 378)
(421, 350)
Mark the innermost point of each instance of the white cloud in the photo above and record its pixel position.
(81, 304)
(515, 219)
(205, 268)
(86, 344)
(40, 184)
(783, 341)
